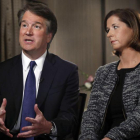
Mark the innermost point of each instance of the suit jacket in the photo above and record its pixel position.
(57, 94)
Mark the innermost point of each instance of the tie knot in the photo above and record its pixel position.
(32, 64)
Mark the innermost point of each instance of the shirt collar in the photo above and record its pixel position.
(39, 61)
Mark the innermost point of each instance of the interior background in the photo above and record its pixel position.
(80, 37)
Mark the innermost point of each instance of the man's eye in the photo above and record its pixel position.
(24, 25)
(37, 27)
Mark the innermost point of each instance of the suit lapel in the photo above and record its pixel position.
(16, 80)
(47, 77)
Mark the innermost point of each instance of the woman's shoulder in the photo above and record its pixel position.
(108, 66)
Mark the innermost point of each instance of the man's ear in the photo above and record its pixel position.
(49, 37)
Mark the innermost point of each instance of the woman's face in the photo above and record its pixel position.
(119, 33)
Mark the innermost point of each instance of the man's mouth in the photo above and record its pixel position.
(28, 40)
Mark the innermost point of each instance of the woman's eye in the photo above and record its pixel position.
(107, 30)
(115, 27)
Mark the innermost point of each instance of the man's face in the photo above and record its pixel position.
(33, 36)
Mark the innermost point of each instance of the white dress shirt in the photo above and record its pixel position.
(37, 71)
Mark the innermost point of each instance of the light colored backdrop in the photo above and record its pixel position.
(79, 33)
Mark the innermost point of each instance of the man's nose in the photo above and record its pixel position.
(29, 31)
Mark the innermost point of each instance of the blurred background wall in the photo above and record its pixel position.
(80, 37)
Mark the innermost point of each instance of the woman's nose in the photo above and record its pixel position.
(110, 33)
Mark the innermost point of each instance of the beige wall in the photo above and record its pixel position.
(79, 33)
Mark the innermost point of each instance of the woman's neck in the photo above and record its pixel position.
(129, 58)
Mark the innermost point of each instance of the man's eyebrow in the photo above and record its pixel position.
(38, 22)
(23, 21)
(34, 22)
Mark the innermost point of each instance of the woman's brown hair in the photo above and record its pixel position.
(132, 19)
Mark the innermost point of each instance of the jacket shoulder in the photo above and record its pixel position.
(7, 64)
(108, 66)
(61, 62)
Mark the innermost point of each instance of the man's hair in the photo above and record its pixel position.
(132, 19)
(42, 10)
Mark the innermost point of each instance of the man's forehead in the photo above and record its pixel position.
(32, 18)
(28, 15)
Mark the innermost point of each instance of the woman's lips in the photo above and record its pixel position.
(113, 41)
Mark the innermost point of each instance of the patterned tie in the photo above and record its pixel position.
(29, 99)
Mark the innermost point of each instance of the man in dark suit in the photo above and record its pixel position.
(56, 82)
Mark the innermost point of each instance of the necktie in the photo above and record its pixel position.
(29, 98)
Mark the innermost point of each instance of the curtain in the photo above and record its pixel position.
(9, 28)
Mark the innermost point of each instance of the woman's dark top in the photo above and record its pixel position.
(116, 112)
